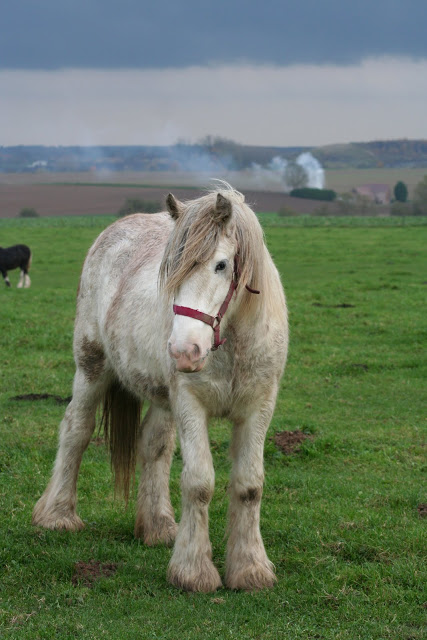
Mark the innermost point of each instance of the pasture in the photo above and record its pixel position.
(341, 517)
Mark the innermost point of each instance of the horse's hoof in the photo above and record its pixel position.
(251, 578)
(49, 519)
(204, 580)
(162, 531)
(70, 523)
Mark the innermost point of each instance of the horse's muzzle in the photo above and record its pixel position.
(188, 359)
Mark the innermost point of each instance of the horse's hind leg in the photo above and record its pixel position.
(155, 521)
(27, 280)
(56, 509)
(21, 279)
(24, 278)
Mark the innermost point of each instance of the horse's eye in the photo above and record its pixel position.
(220, 266)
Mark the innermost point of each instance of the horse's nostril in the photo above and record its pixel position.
(190, 351)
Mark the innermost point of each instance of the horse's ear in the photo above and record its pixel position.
(223, 209)
(174, 206)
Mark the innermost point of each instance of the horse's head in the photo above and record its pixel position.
(210, 277)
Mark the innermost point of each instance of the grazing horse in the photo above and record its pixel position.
(13, 257)
(184, 309)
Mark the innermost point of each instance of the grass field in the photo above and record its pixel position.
(340, 518)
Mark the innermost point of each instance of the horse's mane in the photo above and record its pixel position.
(196, 235)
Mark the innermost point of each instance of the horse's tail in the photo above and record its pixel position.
(30, 258)
(121, 417)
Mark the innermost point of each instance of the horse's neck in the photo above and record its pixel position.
(253, 312)
(249, 314)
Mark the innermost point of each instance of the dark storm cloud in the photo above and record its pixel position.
(52, 34)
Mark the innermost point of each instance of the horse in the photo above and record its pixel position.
(184, 309)
(13, 257)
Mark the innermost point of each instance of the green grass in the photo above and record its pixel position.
(274, 220)
(339, 518)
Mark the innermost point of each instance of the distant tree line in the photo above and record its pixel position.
(220, 152)
(311, 193)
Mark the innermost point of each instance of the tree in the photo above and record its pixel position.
(28, 212)
(400, 191)
(420, 197)
(295, 176)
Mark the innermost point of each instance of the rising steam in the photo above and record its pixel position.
(275, 173)
(314, 170)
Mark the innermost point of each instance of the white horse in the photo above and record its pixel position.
(150, 306)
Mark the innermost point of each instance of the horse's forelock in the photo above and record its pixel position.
(196, 235)
(193, 241)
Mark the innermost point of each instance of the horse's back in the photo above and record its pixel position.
(145, 234)
(118, 286)
(16, 256)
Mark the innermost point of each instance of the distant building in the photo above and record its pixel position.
(379, 193)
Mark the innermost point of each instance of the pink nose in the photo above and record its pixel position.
(187, 357)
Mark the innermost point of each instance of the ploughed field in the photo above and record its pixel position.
(91, 193)
(84, 199)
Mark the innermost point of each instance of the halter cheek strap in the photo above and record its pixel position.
(215, 321)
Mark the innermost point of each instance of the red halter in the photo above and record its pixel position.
(215, 321)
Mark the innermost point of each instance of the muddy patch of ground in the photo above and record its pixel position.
(87, 573)
(341, 305)
(42, 396)
(290, 441)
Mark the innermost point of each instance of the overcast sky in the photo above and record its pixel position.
(308, 72)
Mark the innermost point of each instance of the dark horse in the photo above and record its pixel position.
(13, 257)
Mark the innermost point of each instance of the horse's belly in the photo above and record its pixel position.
(146, 386)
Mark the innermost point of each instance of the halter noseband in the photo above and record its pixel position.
(215, 321)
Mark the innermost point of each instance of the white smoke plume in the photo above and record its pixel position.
(273, 175)
(270, 176)
(314, 170)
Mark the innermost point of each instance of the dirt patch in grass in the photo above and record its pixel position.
(341, 305)
(422, 510)
(42, 396)
(290, 441)
(86, 573)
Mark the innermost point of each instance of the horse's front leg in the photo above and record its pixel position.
(191, 567)
(247, 564)
(5, 277)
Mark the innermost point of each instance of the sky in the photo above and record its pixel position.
(277, 72)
